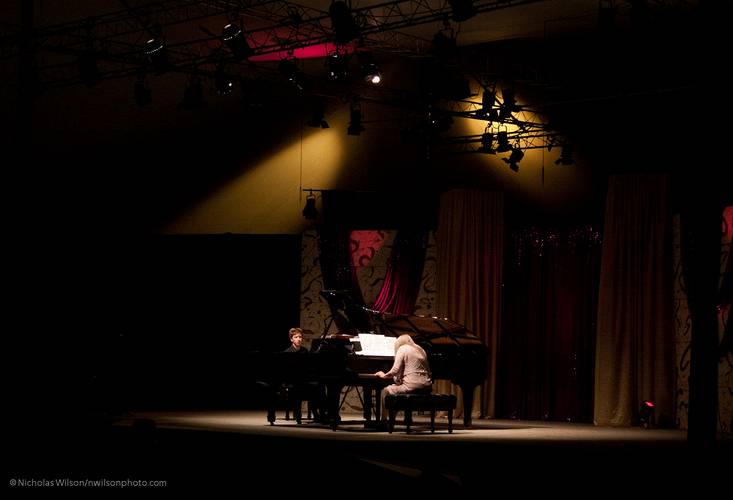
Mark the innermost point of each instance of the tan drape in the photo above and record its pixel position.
(470, 242)
(635, 336)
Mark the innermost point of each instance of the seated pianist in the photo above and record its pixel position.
(292, 380)
(309, 390)
(410, 371)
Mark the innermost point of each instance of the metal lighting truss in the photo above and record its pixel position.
(116, 41)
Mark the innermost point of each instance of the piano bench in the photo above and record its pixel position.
(419, 402)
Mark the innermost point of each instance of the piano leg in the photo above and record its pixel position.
(270, 394)
(333, 401)
(467, 393)
(367, 392)
(378, 404)
(372, 390)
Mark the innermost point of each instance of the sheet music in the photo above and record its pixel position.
(376, 345)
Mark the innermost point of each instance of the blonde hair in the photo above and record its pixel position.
(293, 331)
(405, 339)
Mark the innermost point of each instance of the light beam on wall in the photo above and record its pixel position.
(265, 198)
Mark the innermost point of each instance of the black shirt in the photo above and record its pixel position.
(292, 349)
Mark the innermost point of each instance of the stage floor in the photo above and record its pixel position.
(352, 429)
(239, 451)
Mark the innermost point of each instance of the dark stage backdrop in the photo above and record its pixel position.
(204, 301)
(124, 323)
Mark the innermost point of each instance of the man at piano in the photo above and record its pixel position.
(306, 389)
(410, 371)
(296, 340)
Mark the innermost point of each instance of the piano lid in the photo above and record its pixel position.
(350, 317)
(426, 329)
(353, 318)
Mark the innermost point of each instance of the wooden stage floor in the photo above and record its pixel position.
(228, 451)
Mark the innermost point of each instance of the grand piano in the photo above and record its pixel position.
(454, 353)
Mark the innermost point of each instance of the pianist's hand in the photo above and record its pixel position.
(380, 374)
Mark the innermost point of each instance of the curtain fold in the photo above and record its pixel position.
(548, 331)
(404, 273)
(635, 338)
(470, 241)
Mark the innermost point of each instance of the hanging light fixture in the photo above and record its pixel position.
(222, 81)
(566, 155)
(337, 71)
(503, 139)
(289, 69)
(344, 26)
(443, 45)
(310, 211)
(355, 126)
(156, 56)
(514, 158)
(487, 143)
(509, 104)
(234, 39)
(488, 99)
(318, 114)
(463, 10)
(369, 69)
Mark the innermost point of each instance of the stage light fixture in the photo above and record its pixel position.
(646, 414)
(309, 211)
(566, 155)
(222, 81)
(343, 24)
(463, 10)
(502, 138)
(355, 127)
(443, 45)
(514, 158)
(317, 118)
(234, 39)
(337, 67)
(509, 104)
(369, 69)
(289, 68)
(487, 143)
(488, 99)
(156, 55)
(294, 16)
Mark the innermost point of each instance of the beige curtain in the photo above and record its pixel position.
(635, 335)
(470, 242)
